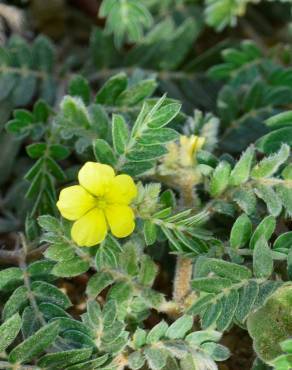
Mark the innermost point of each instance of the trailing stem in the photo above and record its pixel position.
(184, 265)
(183, 275)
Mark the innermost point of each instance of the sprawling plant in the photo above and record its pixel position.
(146, 193)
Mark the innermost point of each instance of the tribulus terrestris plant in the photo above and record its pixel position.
(146, 185)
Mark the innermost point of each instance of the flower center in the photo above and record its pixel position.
(100, 203)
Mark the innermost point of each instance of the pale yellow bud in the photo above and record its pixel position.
(189, 145)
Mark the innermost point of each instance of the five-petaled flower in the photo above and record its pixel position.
(99, 203)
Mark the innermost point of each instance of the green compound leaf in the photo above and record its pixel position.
(36, 344)
(283, 241)
(247, 297)
(157, 332)
(9, 331)
(10, 276)
(270, 197)
(150, 232)
(79, 86)
(164, 115)
(272, 323)
(286, 345)
(137, 93)
(283, 362)
(126, 19)
(120, 133)
(279, 120)
(98, 282)
(240, 232)
(148, 271)
(148, 137)
(71, 267)
(220, 178)
(265, 229)
(49, 293)
(262, 259)
(222, 13)
(216, 351)
(15, 302)
(200, 304)
(65, 358)
(199, 337)
(272, 141)
(136, 360)
(36, 150)
(112, 89)
(156, 358)
(103, 152)
(180, 327)
(229, 304)
(211, 315)
(269, 165)
(222, 268)
(211, 284)
(241, 170)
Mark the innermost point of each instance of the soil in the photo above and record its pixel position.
(240, 345)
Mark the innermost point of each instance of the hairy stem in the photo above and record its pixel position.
(184, 266)
(27, 283)
(8, 257)
(183, 275)
(9, 366)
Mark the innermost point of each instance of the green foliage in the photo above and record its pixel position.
(284, 361)
(26, 70)
(267, 331)
(9, 330)
(183, 230)
(35, 344)
(202, 344)
(156, 50)
(220, 178)
(63, 250)
(262, 259)
(202, 124)
(257, 86)
(125, 17)
(262, 182)
(240, 232)
(136, 152)
(221, 13)
(231, 293)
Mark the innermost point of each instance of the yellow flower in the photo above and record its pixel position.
(189, 147)
(99, 203)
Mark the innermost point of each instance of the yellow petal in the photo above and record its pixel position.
(95, 177)
(200, 141)
(90, 229)
(74, 202)
(120, 219)
(122, 190)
